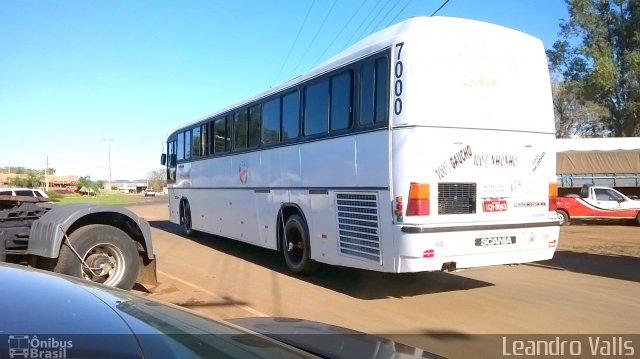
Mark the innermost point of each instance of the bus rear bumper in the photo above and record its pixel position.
(412, 264)
(435, 251)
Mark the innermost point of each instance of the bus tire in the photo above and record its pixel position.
(185, 219)
(110, 253)
(296, 246)
(563, 217)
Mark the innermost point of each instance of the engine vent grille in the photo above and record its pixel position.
(456, 198)
(358, 229)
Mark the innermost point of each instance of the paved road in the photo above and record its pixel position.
(576, 292)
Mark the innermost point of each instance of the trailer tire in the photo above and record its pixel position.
(638, 219)
(296, 246)
(563, 217)
(110, 253)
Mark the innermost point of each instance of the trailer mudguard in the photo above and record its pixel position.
(47, 233)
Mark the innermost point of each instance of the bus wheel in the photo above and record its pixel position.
(563, 217)
(101, 254)
(296, 248)
(186, 219)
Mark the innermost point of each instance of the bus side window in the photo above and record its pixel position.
(204, 139)
(290, 115)
(374, 92)
(181, 146)
(171, 162)
(382, 89)
(253, 139)
(316, 108)
(196, 143)
(219, 136)
(341, 101)
(271, 121)
(228, 134)
(187, 145)
(366, 94)
(240, 128)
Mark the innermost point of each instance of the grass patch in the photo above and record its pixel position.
(102, 198)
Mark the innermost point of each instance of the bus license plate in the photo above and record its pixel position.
(494, 206)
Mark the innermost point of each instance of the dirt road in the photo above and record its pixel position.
(591, 286)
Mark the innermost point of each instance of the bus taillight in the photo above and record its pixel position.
(397, 211)
(418, 199)
(553, 196)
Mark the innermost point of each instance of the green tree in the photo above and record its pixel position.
(85, 184)
(31, 181)
(574, 116)
(599, 58)
(157, 179)
(50, 171)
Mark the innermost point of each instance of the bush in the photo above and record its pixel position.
(55, 196)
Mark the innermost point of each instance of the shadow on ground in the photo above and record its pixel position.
(356, 283)
(610, 266)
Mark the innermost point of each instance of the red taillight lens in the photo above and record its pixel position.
(418, 199)
(553, 196)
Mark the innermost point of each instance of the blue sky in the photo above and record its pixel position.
(73, 73)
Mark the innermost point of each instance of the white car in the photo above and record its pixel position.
(149, 192)
(30, 192)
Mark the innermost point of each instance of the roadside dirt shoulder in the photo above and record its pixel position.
(602, 239)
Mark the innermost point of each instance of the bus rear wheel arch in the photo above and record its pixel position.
(296, 246)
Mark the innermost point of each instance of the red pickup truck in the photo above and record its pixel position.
(595, 202)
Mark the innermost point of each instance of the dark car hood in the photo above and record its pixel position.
(328, 340)
(76, 318)
(65, 317)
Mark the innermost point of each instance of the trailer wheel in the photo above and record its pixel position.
(296, 247)
(563, 217)
(185, 219)
(110, 256)
(638, 219)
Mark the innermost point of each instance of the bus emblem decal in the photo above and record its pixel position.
(243, 173)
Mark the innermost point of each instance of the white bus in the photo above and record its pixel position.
(426, 146)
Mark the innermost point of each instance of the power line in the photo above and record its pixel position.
(441, 6)
(294, 41)
(314, 37)
(340, 32)
(401, 10)
(361, 23)
(385, 16)
(367, 32)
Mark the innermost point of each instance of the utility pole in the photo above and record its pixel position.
(46, 175)
(108, 141)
